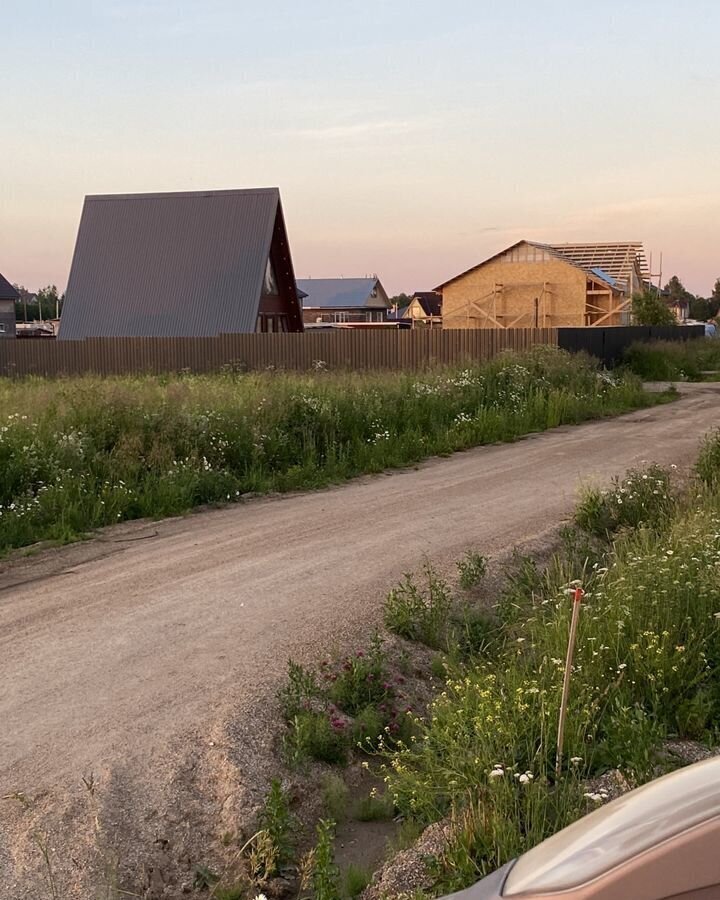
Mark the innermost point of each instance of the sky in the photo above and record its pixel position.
(408, 139)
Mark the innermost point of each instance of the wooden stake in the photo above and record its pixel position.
(578, 594)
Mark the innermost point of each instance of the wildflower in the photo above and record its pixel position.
(497, 772)
(596, 798)
(576, 760)
(526, 778)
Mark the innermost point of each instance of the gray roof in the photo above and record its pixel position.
(169, 265)
(7, 291)
(341, 293)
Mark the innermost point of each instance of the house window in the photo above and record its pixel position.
(270, 287)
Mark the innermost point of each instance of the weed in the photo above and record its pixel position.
(363, 680)
(325, 874)
(642, 497)
(335, 794)
(313, 735)
(375, 808)
(471, 570)
(299, 691)
(420, 614)
(204, 878)
(278, 823)
(707, 466)
(355, 880)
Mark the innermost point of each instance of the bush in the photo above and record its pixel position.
(649, 308)
(673, 360)
(362, 681)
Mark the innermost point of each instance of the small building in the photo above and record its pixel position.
(344, 300)
(547, 285)
(425, 308)
(191, 264)
(8, 297)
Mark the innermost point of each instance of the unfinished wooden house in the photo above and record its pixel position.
(534, 285)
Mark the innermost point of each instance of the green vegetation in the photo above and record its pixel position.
(325, 875)
(80, 453)
(355, 880)
(649, 308)
(471, 570)
(349, 702)
(647, 667)
(641, 497)
(674, 360)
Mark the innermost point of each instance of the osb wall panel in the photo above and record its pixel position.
(563, 303)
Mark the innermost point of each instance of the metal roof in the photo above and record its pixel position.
(430, 301)
(341, 293)
(7, 291)
(169, 265)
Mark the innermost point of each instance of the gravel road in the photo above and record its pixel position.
(149, 656)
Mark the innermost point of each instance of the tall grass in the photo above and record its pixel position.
(80, 453)
(647, 667)
(674, 360)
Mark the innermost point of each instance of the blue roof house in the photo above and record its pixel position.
(343, 300)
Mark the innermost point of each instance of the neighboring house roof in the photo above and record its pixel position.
(570, 254)
(171, 264)
(614, 259)
(430, 301)
(7, 291)
(398, 313)
(342, 293)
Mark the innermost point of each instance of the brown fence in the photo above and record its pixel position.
(349, 349)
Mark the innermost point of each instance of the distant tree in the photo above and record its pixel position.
(46, 304)
(649, 308)
(675, 290)
(400, 300)
(714, 300)
(700, 309)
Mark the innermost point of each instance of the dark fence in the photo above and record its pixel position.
(341, 349)
(609, 344)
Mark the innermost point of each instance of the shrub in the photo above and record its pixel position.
(471, 569)
(642, 497)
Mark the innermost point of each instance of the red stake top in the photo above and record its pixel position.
(578, 594)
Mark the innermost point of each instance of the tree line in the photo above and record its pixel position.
(47, 303)
(653, 307)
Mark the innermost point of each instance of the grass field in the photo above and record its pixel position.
(80, 453)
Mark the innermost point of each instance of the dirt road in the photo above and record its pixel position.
(150, 656)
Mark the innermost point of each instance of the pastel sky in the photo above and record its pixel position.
(408, 138)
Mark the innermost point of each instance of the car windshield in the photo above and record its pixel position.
(619, 831)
